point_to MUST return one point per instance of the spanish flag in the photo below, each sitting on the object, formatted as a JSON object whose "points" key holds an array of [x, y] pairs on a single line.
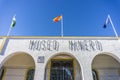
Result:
{"points": [[58, 18]]}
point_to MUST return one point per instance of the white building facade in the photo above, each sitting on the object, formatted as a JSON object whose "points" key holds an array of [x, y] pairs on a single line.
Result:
{"points": [[59, 58]]}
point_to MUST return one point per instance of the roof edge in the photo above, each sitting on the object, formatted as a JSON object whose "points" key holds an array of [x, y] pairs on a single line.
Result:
{"points": [[64, 37]]}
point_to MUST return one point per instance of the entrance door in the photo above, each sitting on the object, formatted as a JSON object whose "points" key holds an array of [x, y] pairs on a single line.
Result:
{"points": [[62, 70]]}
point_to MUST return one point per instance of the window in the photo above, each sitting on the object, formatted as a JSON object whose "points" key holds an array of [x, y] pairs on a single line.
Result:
{"points": [[1, 72], [30, 74], [95, 76], [61, 70]]}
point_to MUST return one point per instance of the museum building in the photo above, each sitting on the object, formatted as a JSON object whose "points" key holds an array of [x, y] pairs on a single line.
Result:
{"points": [[59, 58]]}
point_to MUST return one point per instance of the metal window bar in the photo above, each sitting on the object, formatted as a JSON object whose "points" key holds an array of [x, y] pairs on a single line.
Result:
{"points": [[61, 74]]}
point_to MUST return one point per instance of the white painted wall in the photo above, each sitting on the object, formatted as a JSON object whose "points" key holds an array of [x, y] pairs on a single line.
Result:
{"points": [[84, 58]]}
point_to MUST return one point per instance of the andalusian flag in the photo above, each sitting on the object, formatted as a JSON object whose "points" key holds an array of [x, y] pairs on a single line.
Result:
{"points": [[13, 22], [58, 18]]}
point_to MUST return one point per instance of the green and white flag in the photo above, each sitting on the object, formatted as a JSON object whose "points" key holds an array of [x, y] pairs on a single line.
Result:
{"points": [[13, 22]]}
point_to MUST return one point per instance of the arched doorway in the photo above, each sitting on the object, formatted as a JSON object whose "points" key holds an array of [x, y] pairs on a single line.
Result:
{"points": [[63, 67], [18, 66], [105, 67]]}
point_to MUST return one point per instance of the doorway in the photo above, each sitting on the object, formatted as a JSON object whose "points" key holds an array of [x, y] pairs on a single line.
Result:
{"points": [[62, 70]]}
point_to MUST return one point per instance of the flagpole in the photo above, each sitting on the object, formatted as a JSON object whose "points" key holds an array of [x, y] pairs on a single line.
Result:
{"points": [[10, 28], [113, 26], [62, 27]]}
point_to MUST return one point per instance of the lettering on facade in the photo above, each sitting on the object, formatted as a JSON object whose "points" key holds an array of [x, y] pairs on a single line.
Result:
{"points": [[44, 45], [85, 45], [73, 45]]}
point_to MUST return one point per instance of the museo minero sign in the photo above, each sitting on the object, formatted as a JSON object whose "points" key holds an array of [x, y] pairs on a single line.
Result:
{"points": [[73, 45]]}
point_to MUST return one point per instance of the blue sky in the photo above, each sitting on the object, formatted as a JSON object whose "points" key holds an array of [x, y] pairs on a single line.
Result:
{"points": [[80, 17]]}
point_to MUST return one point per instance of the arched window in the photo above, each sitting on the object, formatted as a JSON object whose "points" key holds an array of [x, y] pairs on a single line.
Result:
{"points": [[30, 74], [95, 75]]}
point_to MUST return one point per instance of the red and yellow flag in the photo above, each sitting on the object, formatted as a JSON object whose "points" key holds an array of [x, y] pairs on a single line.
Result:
{"points": [[58, 18]]}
